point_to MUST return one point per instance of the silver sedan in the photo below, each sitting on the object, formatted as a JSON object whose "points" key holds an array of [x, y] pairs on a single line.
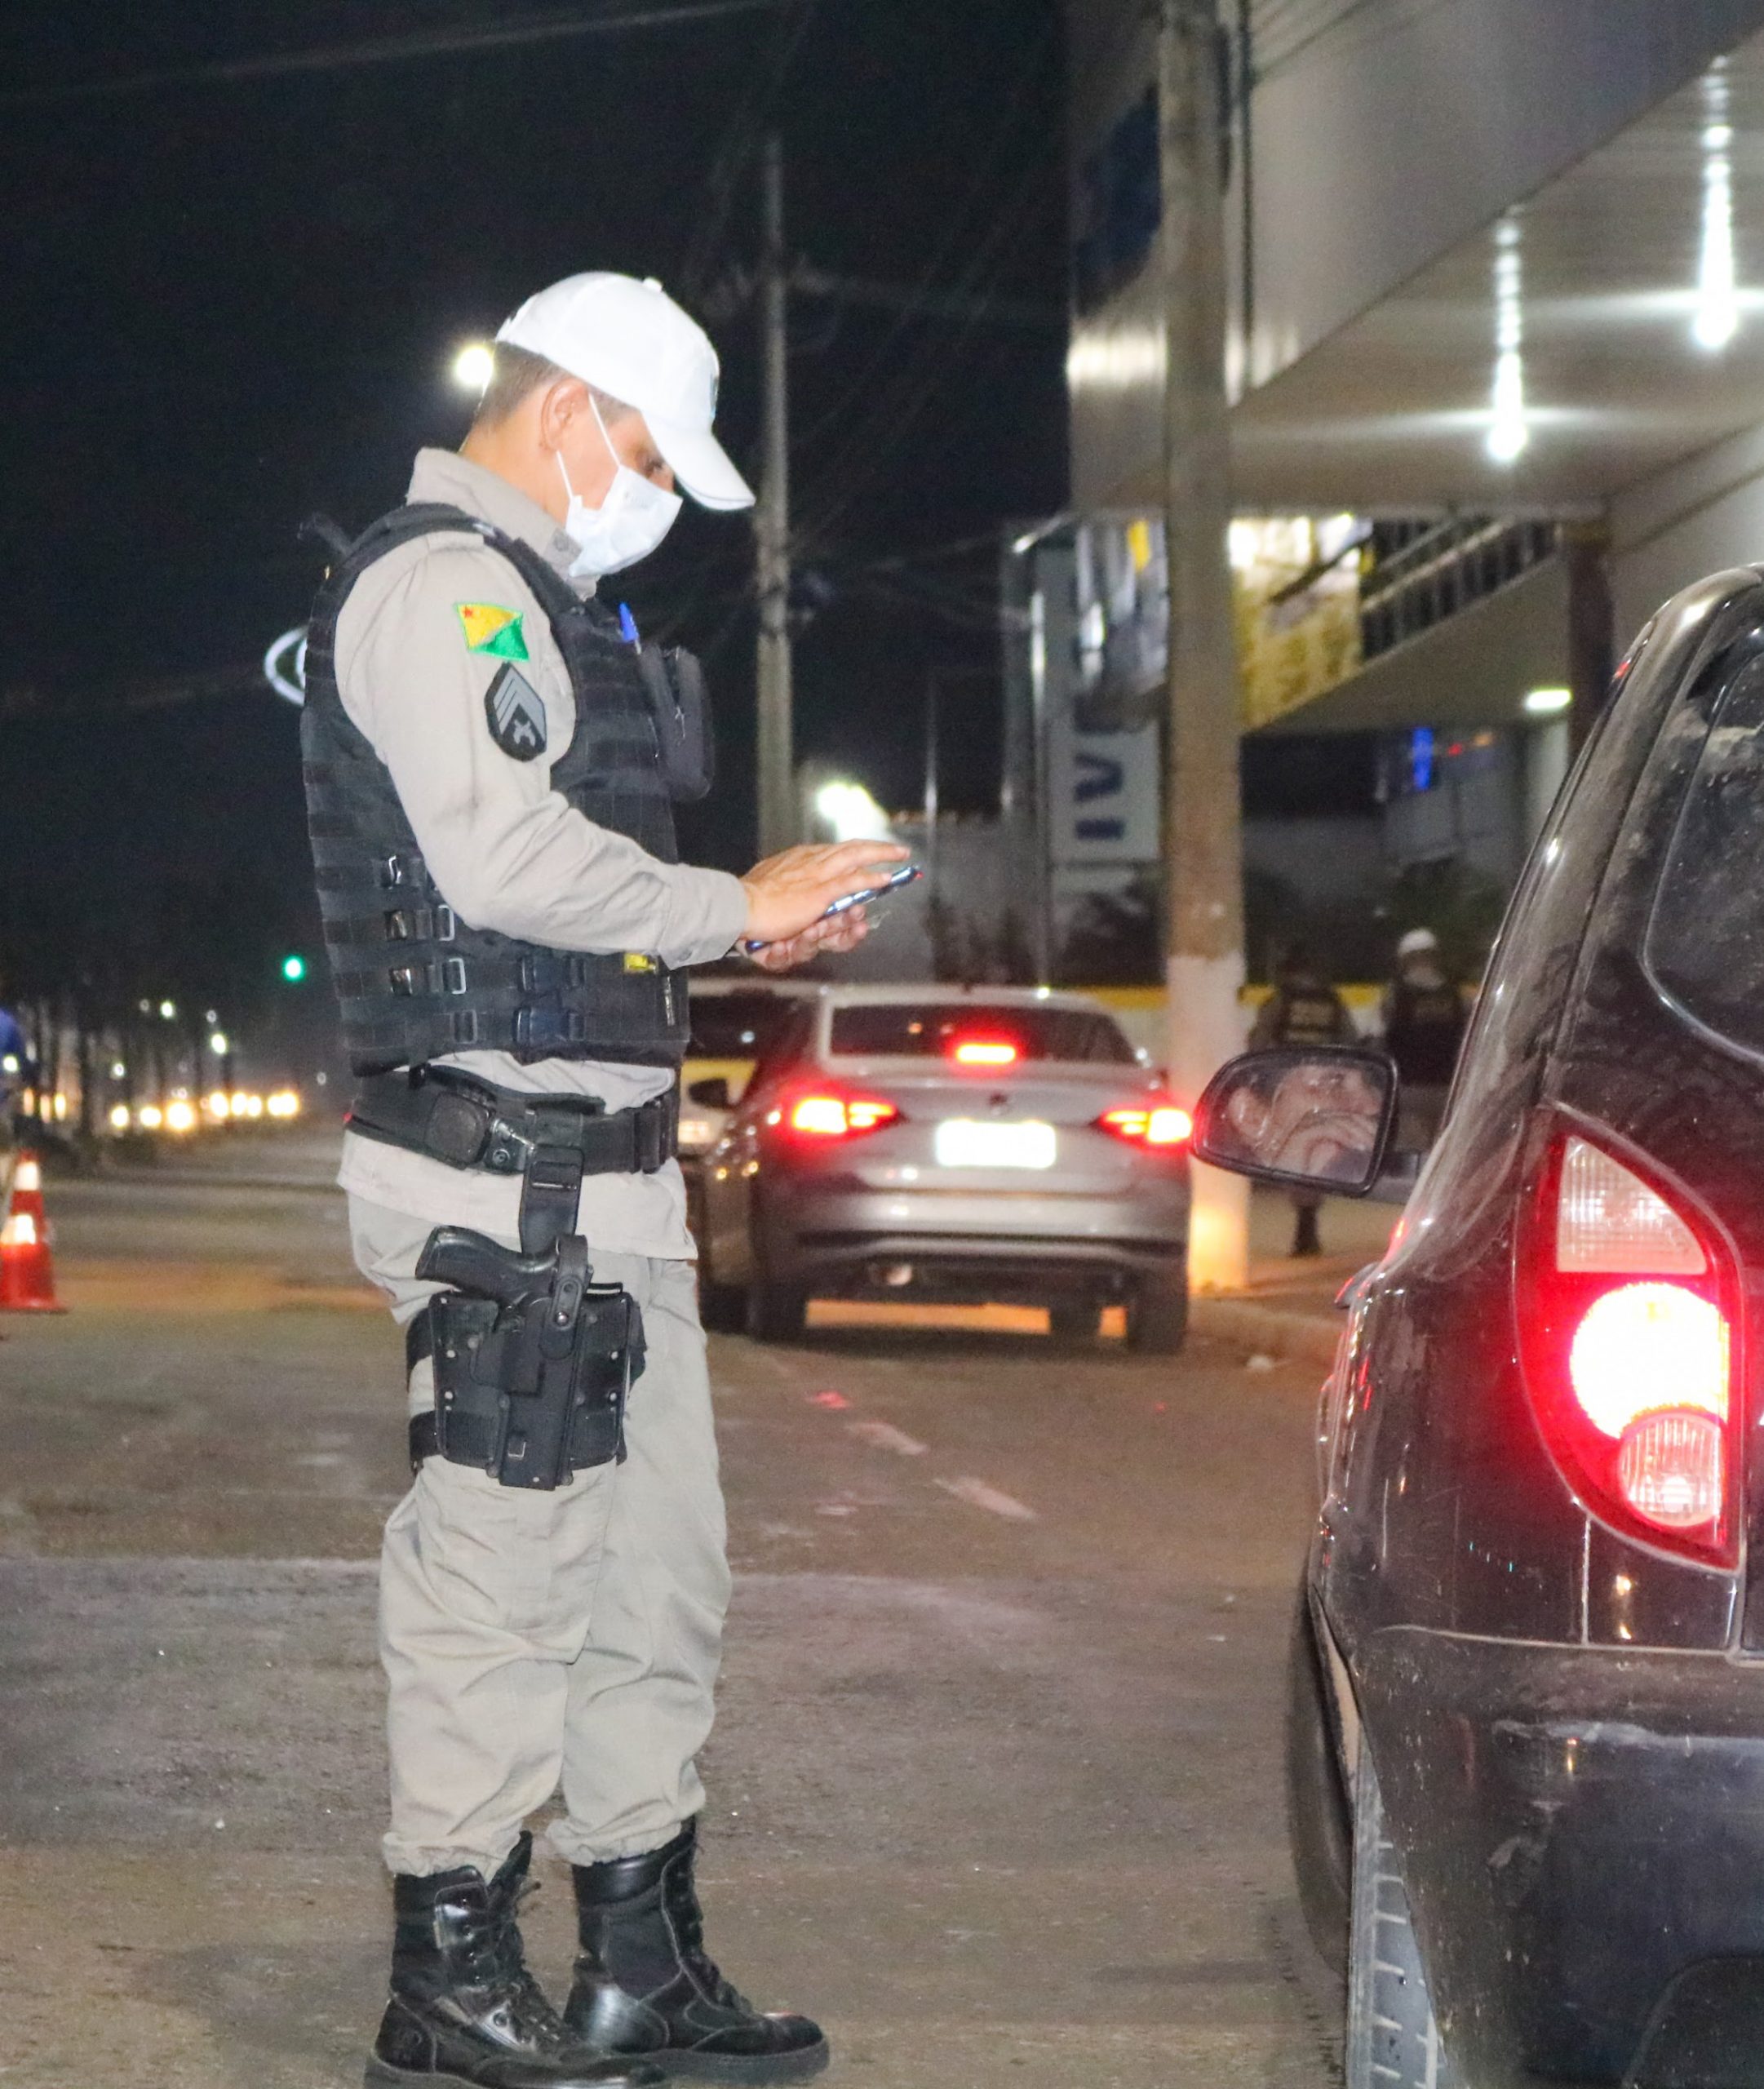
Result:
{"points": [[947, 1144]]}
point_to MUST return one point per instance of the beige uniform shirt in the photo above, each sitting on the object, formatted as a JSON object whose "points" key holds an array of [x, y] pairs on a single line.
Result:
{"points": [[506, 853]]}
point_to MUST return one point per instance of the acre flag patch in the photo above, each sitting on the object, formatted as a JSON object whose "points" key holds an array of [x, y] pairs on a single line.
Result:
{"points": [[490, 628]]}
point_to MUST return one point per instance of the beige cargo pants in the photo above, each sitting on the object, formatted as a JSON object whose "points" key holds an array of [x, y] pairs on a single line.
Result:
{"points": [[535, 1639]]}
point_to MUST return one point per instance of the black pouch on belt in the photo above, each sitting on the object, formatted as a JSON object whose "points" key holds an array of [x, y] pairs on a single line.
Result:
{"points": [[532, 1359]]}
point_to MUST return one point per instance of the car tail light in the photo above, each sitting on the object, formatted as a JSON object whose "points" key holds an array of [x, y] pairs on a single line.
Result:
{"points": [[1670, 1470], [1609, 1221], [984, 1052], [1160, 1125], [1627, 1302], [832, 1113]]}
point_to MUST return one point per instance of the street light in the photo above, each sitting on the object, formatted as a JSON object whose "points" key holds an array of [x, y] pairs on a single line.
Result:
{"points": [[1509, 428], [474, 366], [1717, 298], [850, 811], [219, 1045], [294, 967]]}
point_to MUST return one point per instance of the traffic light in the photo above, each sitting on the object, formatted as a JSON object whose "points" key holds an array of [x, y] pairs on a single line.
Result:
{"points": [[294, 967]]}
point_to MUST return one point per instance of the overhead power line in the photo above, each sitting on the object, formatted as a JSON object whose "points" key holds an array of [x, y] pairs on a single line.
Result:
{"points": [[955, 225], [739, 142], [386, 51], [877, 413], [928, 305], [737, 288], [898, 402], [107, 699]]}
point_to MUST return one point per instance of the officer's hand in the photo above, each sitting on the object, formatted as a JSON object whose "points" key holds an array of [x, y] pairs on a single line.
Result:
{"points": [[789, 893], [843, 932]]}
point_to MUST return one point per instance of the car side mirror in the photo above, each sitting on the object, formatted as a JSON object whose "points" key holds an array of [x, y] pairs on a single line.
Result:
{"points": [[1318, 1119], [711, 1093]]}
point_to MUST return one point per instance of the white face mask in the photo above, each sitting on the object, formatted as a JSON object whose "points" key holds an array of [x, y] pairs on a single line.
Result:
{"points": [[629, 523]]}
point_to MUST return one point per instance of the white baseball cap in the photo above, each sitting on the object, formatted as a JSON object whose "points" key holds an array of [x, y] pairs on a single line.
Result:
{"points": [[631, 340]]}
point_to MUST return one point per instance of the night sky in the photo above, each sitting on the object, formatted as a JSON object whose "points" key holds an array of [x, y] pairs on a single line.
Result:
{"points": [[229, 303]]}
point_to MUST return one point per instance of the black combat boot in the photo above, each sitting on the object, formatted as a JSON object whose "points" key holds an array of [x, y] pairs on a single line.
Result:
{"points": [[643, 1985], [464, 2009]]}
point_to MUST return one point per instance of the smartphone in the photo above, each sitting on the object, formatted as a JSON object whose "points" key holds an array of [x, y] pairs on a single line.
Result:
{"points": [[893, 882]]}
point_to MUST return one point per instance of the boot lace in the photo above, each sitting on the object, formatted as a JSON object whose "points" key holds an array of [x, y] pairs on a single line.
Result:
{"points": [[495, 1958], [687, 1918]]}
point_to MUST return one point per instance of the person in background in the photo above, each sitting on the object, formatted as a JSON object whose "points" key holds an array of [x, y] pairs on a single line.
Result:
{"points": [[1423, 1019], [15, 1061], [1304, 1009]]}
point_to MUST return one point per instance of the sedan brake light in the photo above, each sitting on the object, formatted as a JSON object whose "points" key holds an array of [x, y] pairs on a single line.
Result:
{"points": [[984, 1052], [1160, 1125], [1627, 1311], [833, 1115]]}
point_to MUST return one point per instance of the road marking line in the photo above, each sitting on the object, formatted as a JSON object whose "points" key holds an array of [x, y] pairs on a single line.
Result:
{"points": [[885, 1436], [978, 1495]]}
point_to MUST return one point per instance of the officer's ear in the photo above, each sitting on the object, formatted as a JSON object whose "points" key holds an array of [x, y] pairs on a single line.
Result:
{"points": [[563, 403]]}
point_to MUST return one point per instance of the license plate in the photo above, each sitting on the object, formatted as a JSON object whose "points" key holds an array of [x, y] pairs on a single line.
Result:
{"points": [[964, 1142]]}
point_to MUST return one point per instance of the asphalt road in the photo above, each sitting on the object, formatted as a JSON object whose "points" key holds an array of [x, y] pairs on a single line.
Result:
{"points": [[995, 1788]]}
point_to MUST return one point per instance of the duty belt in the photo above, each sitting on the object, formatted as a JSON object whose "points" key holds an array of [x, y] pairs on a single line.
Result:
{"points": [[553, 1141]]}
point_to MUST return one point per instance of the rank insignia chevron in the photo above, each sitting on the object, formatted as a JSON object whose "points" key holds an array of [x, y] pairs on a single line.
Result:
{"points": [[515, 712]]}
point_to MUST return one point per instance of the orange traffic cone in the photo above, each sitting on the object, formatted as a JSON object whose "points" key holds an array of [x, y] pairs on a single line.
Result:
{"points": [[27, 1268]]}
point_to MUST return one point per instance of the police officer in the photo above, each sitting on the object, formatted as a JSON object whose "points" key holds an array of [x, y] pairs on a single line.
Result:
{"points": [[1304, 1009], [1424, 1024], [492, 750]]}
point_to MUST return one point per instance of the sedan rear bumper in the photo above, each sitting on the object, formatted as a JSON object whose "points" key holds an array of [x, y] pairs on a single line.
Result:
{"points": [[1582, 1835], [956, 1246]]}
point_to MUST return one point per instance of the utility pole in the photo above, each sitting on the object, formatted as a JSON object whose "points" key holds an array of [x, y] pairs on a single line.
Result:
{"points": [[776, 766], [1202, 845]]}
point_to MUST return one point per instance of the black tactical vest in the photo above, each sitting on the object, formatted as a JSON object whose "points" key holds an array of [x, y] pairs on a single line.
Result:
{"points": [[415, 981], [1424, 1029], [1310, 1015]]}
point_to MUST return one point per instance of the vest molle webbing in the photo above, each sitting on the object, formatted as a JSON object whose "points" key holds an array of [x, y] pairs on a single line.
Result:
{"points": [[415, 982]]}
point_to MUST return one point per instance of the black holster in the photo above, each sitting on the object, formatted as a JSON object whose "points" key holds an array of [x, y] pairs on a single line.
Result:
{"points": [[532, 1359]]}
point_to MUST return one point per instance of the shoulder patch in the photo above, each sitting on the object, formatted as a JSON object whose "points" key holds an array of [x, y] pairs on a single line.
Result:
{"points": [[515, 713], [490, 628]]}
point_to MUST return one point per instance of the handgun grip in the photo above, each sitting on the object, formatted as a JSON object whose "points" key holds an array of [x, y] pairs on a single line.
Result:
{"points": [[473, 1262]]}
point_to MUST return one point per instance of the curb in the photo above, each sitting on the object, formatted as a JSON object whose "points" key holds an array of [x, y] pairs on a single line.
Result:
{"points": [[1300, 1337]]}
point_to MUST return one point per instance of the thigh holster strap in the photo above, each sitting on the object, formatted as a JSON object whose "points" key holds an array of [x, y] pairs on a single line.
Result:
{"points": [[532, 1360]]}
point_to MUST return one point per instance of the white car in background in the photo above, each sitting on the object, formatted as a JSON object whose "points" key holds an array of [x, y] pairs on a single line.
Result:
{"points": [[975, 1144]]}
